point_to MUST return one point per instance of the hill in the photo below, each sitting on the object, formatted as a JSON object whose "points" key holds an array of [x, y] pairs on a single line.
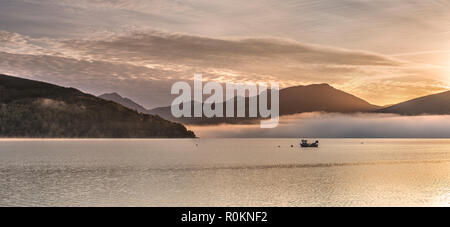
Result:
{"points": [[293, 100], [437, 104], [320, 97], [130, 104], [41, 110]]}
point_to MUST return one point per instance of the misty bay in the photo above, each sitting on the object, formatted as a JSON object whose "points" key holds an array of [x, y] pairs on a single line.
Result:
{"points": [[224, 172]]}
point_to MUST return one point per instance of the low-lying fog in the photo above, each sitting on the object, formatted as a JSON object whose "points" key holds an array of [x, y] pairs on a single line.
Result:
{"points": [[327, 125]]}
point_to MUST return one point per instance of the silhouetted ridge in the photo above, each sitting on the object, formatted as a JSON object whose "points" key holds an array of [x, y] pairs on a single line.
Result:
{"points": [[320, 97], [35, 109], [437, 104], [293, 100], [123, 101]]}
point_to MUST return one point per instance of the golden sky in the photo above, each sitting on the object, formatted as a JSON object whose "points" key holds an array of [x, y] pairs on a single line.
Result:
{"points": [[381, 50]]}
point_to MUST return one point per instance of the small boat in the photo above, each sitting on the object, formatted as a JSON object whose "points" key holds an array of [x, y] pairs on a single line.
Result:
{"points": [[306, 144]]}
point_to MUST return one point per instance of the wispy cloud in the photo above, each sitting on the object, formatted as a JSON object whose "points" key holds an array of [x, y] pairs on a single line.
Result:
{"points": [[422, 52], [382, 26], [150, 87], [177, 56]]}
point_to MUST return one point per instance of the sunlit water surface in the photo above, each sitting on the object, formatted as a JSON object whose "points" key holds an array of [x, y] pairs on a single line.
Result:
{"points": [[224, 172]]}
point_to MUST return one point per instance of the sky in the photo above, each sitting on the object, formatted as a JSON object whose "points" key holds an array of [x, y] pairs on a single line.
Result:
{"points": [[383, 51]]}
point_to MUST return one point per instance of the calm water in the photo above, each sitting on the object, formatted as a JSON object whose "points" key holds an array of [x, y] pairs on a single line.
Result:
{"points": [[224, 172]]}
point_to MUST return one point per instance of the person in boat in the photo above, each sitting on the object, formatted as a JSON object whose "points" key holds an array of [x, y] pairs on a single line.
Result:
{"points": [[306, 144]]}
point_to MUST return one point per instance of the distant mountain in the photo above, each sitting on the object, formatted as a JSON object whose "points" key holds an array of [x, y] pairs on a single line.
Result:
{"points": [[130, 104], [40, 110], [293, 100], [437, 104], [321, 97]]}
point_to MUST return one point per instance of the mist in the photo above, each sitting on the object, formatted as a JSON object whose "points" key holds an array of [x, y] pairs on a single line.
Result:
{"points": [[326, 125]]}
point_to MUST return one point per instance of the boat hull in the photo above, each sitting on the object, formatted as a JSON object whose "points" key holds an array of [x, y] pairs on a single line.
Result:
{"points": [[309, 145]]}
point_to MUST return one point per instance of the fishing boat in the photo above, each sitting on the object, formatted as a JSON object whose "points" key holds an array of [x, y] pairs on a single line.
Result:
{"points": [[306, 144]]}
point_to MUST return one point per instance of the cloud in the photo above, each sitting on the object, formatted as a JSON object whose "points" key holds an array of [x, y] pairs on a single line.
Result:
{"points": [[16, 43], [188, 49], [322, 125], [148, 86], [382, 26], [171, 57], [261, 59], [236, 60]]}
